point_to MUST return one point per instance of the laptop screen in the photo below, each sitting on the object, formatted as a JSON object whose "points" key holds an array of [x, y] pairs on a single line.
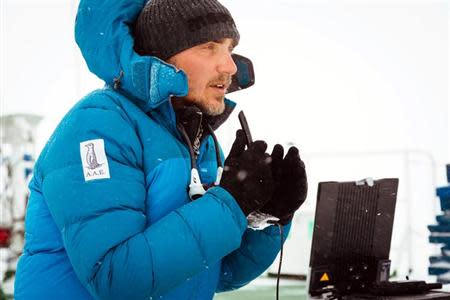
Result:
{"points": [[352, 233]]}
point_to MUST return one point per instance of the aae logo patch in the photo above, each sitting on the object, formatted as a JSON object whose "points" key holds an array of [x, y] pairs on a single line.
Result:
{"points": [[93, 158]]}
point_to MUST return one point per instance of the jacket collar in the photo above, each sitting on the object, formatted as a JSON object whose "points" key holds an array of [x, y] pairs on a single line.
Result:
{"points": [[192, 118]]}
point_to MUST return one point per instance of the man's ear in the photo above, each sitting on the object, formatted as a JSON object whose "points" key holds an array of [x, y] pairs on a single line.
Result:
{"points": [[172, 60], [245, 75]]}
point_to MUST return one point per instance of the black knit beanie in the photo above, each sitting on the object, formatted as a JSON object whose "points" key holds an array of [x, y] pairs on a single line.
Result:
{"points": [[167, 27]]}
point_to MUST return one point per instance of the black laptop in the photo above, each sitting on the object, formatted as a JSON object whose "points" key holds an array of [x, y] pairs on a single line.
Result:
{"points": [[352, 239]]}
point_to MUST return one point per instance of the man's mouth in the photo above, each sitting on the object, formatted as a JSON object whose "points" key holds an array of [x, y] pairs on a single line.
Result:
{"points": [[220, 86]]}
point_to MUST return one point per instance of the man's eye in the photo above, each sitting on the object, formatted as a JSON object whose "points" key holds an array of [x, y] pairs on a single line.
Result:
{"points": [[210, 46]]}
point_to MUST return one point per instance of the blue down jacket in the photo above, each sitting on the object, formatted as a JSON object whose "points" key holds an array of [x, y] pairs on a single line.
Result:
{"points": [[132, 232]]}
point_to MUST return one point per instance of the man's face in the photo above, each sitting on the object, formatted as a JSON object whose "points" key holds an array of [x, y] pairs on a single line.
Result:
{"points": [[209, 68]]}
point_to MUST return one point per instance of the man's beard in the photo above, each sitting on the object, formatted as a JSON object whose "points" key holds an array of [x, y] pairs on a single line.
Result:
{"points": [[218, 106], [213, 110]]}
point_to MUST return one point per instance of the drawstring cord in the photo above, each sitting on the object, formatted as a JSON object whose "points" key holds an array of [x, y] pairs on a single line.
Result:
{"points": [[189, 144], [219, 161], [196, 188]]}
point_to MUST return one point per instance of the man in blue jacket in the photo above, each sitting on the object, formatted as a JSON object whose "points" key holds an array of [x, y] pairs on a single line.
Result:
{"points": [[117, 208]]}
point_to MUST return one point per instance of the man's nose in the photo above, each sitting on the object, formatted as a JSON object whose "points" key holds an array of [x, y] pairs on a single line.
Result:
{"points": [[227, 65]]}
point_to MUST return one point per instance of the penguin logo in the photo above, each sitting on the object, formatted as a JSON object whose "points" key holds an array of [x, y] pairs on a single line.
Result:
{"points": [[91, 153], [91, 157]]}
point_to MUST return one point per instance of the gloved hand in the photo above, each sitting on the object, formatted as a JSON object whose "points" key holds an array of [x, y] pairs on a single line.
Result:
{"points": [[247, 174], [291, 184]]}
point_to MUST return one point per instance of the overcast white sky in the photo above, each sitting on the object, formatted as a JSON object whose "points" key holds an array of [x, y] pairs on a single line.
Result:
{"points": [[323, 69], [312, 58], [331, 76]]}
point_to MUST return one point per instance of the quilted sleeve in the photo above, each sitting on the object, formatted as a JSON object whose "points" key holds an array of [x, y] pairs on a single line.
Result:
{"points": [[257, 252], [103, 221]]}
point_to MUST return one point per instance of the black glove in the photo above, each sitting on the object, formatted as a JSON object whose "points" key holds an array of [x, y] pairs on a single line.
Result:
{"points": [[247, 174], [291, 185]]}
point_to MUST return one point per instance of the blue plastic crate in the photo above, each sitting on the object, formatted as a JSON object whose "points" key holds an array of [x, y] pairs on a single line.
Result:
{"points": [[443, 192], [443, 219], [439, 228], [444, 197], [440, 240], [436, 259], [438, 270]]}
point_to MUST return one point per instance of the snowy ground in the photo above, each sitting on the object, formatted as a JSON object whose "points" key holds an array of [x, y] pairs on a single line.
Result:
{"points": [[264, 288]]}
